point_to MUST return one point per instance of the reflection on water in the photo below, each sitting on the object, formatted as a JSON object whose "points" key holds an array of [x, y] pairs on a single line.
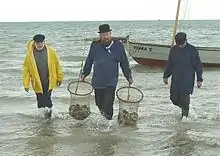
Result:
{"points": [[180, 144], [104, 145], [97, 136], [43, 140]]}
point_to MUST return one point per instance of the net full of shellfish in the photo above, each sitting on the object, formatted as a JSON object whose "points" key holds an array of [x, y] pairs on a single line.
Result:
{"points": [[79, 112], [126, 118], [129, 99], [80, 92], [128, 113]]}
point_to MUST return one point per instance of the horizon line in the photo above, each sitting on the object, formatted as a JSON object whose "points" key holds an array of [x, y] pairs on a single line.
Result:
{"points": [[46, 21]]}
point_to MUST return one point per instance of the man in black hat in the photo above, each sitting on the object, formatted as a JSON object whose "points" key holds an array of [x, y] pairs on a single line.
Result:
{"points": [[105, 55], [42, 68], [183, 62]]}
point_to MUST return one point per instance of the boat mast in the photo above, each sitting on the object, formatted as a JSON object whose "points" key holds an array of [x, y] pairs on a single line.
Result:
{"points": [[176, 22]]}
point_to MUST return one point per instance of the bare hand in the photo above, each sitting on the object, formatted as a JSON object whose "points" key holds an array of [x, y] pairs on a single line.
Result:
{"points": [[130, 81], [59, 83], [82, 77], [26, 89], [199, 84], [165, 81]]}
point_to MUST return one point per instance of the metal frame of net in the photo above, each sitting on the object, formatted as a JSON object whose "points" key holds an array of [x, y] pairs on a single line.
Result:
{"points": [[129, 100], [128, 90], [77, 88], [80, 92]]}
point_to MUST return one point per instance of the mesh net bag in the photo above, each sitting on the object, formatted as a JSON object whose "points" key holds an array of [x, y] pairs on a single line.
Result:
{"points": [[129, 99], [80, 92]]}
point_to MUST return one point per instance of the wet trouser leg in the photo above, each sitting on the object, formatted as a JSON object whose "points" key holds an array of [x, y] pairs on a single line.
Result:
{"points": [[44, 100], [104, 99], [182, 101]]}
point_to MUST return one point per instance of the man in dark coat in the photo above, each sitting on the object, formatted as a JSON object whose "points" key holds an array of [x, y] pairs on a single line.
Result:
{"points": [[105, 55], [183, 63]]}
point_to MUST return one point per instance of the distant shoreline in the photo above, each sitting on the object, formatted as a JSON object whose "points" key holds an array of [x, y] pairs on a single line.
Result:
{"points": [[159, 20]]}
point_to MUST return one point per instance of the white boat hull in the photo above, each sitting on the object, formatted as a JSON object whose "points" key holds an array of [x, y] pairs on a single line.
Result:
{"points": [[157, 55]]}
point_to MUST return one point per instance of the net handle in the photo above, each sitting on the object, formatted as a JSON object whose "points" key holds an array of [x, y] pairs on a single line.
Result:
{"points": [[81, 66], [129, 87], [68, 88]]}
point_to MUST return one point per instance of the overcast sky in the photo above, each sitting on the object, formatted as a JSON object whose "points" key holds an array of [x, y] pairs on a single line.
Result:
{"points": [[80, 10]]}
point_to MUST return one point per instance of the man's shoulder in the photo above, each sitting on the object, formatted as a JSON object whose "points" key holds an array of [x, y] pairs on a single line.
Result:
{"points": [[51, 49], [191, 46], [118, 43], [173, 48], [96, 42]]}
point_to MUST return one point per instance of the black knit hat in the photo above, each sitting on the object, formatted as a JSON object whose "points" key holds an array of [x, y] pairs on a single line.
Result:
{"points": [[104, 28], [39, 38], [180, 38]]}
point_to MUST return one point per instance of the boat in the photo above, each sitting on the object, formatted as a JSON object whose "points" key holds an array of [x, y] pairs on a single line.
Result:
{"points": [[156, 55]]}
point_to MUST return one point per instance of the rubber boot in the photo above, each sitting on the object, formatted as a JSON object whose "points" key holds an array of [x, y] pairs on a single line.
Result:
{"points": [[185, 112]]}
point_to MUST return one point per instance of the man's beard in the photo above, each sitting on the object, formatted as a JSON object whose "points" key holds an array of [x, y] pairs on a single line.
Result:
{"points": [[106, 41]]}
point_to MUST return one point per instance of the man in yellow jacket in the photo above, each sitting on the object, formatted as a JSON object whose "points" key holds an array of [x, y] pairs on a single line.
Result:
{"points": [[42, 68]]}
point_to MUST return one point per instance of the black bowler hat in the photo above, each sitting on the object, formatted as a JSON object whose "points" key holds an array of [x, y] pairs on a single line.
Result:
{"points": [[180, 38], [104, 28], [39, 38]]}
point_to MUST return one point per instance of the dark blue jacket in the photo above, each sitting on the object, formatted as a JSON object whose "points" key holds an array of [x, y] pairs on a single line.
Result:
{"points": [[106, 62], [182, 64]]}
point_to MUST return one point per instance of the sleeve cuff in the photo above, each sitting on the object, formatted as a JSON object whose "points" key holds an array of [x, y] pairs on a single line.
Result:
{"points": [[164, 76], [200, 80], [128, 77]]}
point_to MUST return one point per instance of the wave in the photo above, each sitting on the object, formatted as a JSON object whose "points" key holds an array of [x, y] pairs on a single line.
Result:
{"points": [[72, 58]]}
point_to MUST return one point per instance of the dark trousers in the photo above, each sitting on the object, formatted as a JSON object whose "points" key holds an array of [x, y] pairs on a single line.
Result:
{"points": [[104, 99], [44, 100], [182, 101]]}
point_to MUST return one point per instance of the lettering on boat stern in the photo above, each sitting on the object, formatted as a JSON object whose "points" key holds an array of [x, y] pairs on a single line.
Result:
{"points": [[144, 48]]}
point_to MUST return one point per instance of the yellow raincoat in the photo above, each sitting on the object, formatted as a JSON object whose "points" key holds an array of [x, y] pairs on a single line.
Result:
{"points": [[30, 71]]}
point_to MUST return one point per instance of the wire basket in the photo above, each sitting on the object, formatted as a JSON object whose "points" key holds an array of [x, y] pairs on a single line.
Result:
{"points": [[80, 92], [129, 100]]}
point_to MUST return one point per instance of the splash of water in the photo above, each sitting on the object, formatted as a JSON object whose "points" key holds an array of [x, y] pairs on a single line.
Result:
{"points": [[40, 113], [98, 123]]}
